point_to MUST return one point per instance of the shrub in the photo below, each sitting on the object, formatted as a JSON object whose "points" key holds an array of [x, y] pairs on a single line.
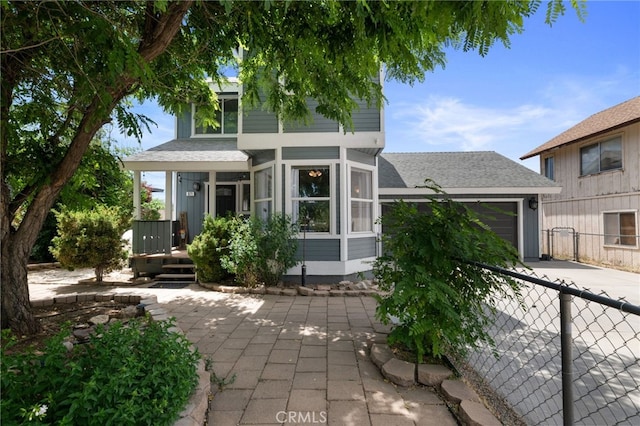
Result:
{"points": [[91, 239], [240, 258], [209, 247], [438, 296], [138, 373], [277, 244]]}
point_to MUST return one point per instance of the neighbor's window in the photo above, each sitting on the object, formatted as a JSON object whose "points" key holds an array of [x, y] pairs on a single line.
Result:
{"points": [[361, 201], [263, 193], [601, 156], [620, 229], [311, 198], [549, 170], [226, 116]]}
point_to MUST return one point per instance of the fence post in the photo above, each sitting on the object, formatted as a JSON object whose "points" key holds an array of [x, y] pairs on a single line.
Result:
{"points": [[565, 350]]}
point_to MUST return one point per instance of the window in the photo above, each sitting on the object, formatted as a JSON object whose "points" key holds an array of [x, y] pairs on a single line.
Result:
{"points": [[263, 193], [361, 201], [620, 229], [601, 156], [226, 116], [549, 171], [311, 198]]}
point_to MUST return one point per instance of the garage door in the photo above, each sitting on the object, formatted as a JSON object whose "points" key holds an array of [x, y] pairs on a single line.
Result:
{"points": [[500, 217]]}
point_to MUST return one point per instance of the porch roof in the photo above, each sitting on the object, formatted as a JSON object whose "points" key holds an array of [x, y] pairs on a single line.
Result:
{"points": [[480, 172], [190, 155]]}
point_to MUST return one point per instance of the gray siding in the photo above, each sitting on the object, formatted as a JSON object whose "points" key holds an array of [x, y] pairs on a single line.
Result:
{"points": [[194, 206], [360, 248], [259, 121], [361, 157], [262, 157], [183, 125], [531, 232], [366, 119], [319, 250], [311, 153], [319, 123]]}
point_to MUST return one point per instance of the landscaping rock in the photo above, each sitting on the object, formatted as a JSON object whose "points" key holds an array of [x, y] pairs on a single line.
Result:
{"points": [[402, 373], [305, 291], [99, 319], [380, 354], [475, 414], [274, 290], [433, 374], [456, 391], [128, 312]]}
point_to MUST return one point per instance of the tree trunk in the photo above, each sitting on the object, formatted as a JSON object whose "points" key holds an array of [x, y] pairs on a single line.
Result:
{"points": [[16, 308]]}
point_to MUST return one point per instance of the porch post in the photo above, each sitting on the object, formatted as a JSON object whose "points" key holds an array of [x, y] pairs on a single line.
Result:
{"points": [[137, 208], [168, 195]]}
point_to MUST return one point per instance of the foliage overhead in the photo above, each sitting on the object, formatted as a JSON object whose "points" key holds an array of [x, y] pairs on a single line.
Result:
{"points": [[69, 68], [438, 297]]}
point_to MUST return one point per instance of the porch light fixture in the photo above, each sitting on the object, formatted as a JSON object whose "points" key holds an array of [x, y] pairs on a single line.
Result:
{"points": [[196, 186], [315, 173], [533, 203]]}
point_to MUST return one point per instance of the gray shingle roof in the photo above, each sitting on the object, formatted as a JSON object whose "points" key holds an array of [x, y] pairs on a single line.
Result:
{"points": [[479, 169], [612, 118], [192, 150]]}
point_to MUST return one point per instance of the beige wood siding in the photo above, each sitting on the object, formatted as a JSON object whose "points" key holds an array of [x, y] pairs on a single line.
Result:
{"points": [[584, 199]]}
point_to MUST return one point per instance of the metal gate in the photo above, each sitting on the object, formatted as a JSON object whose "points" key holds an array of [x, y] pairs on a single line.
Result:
{"points": [[557, 238]]}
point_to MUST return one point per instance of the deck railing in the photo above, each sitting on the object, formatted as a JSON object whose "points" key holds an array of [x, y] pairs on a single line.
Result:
{"points": [[152, 236]]}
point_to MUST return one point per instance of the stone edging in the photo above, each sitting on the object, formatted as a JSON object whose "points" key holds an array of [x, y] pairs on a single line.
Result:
{"points": [[469, 408], [196, 409], [320, 291]]}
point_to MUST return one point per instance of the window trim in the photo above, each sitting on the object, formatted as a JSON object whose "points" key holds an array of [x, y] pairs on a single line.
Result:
{"points": [[599, 143], [330, 199], [553, 167], [222, 134], [254, 187], [371, 201], [619, 245]]}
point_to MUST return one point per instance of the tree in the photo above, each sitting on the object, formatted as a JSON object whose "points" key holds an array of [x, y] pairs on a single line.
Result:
{"points": [[67, 68]]}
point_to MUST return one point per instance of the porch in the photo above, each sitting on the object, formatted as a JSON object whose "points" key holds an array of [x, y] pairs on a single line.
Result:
{"points": [[159, 251]]}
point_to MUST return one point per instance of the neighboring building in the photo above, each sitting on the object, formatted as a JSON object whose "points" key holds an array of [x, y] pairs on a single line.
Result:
{"points": [[597, 162], [320, 175]]}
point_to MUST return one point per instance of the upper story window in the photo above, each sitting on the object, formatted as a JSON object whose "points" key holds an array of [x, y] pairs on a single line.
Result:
{"points": [[226, 116], [311, 198], [601, 156], [549, 168]]}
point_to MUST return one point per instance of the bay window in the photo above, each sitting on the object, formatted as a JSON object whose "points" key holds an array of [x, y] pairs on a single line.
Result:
{"points": [[311, 198], [263, 193], [361, 200]]}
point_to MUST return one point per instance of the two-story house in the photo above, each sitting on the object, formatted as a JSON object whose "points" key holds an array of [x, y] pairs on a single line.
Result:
{"points": [[597, 162], [334, 183]]}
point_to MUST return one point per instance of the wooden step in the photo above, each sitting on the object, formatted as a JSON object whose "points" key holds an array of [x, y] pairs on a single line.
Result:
{"points": [[182, 277]]}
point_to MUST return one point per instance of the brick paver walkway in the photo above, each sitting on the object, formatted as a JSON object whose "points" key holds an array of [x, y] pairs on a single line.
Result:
{"points": [[296, 360]]}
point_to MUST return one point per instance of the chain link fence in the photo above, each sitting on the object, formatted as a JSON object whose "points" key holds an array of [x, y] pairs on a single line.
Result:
{"points": [[568, 357]]}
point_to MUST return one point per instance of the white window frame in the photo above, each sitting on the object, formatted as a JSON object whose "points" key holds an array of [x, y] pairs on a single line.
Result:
{"points": [[290, 199], [370, 201], [604, 230], [270, 192], [222, 134]]}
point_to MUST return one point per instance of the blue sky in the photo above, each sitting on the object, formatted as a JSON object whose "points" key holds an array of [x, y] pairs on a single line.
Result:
{"points": [[513, 99]]}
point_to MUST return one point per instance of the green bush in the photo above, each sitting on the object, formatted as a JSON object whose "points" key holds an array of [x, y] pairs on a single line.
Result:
{"points": [[138, 373], [438, 296], [91, 239], [210, 246], [277, 244], [240, 258]]}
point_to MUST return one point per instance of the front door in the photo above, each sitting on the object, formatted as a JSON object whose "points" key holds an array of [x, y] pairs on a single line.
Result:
{"points": [[225, 200]]}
